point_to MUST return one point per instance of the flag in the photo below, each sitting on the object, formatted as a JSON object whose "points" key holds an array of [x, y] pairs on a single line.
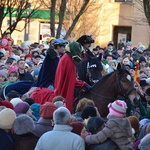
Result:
{"points": [[137, 73]]}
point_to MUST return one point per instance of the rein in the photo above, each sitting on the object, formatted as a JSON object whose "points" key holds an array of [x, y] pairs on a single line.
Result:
{"points": [[125, 94]]}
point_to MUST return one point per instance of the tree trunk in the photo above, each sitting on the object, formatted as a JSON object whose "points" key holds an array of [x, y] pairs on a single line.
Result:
{"points": [[61, 17], [76, 18], [52, 17]]}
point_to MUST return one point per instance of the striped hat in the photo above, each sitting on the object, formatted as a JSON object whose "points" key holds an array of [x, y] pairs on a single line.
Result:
{"points": [[117, 108]]}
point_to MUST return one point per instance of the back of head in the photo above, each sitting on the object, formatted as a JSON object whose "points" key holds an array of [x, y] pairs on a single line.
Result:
{"points": [[23, 124], [21, 108], [134, 123], [94, 124], [145, 144], [85, 39], [7, 117], [61, 116], [77, 127]]}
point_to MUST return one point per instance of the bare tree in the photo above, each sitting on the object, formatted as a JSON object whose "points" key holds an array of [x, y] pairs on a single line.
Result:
{"points": [[16, 11]]}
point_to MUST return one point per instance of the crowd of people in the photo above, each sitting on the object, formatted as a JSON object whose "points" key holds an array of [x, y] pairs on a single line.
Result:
{"points": [[37, 85]]}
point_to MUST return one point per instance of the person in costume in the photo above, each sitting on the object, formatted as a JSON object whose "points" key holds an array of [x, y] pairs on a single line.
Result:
{"points": [[65, 78], [86, 42]]}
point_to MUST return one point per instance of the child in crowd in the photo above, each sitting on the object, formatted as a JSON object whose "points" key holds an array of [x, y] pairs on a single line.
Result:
{"points": [[117, 128], [3, 78]]}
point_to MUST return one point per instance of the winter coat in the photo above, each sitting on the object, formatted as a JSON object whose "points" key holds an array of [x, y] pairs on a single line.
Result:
{"points": [[6, 141], [25, 142], [42, 126], [107, 145], [136, 55], [117, 129], [60, 138]]}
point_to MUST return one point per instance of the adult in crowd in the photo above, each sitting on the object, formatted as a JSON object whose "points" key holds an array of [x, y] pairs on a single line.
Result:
{"points": [[61, 134]]}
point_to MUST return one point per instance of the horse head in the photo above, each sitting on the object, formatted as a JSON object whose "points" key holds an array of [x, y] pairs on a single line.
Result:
{"points": [[94, 68], [126, 85]]}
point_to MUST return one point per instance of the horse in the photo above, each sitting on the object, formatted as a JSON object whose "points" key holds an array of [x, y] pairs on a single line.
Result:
{"points": [[89, 70], [109, 87]]}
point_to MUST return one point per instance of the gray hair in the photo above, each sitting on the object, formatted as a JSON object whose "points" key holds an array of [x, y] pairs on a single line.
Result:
{"points": [[61, 116], [145, 144]]}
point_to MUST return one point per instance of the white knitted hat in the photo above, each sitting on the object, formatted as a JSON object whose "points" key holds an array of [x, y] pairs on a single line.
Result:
{"points": [[7, 118], [15, 101]]}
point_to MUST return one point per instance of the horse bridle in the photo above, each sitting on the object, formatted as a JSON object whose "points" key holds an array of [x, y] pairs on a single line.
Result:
{"points": [[125, 94]]}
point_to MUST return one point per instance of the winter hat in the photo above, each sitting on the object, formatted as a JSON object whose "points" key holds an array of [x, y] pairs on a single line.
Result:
{"points": [[88, 111], [117, 108], [142, 58], [77, 127], [7, 117], [4, 42], [10, 60], [129, 43], [27, 56], [15, 101], [47, 109], [143, 83], [21, 108], [12, 94], [23, 124], [14, 68], [36, 72], [35, 108], [143, 76], [30, 101], [94, 123], [134, 123], [59, 104], [142, 47], [7, 104], [3, 73]]}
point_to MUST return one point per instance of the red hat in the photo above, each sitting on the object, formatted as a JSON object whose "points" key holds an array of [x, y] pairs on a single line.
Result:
{"points": [[47, 109], [28, 56], [7, 104], [77, 127]]}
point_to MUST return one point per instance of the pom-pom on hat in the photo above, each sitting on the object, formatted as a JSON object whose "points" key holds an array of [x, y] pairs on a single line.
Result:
{"points": [[47, 110], [7, 117], [7, 104], [117, 108], [21, 108], [94, 123], [77, 127], [23, 124]]}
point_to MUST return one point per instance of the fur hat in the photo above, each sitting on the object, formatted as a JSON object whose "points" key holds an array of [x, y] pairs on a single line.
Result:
{"points": [[77, 127], [134, 123], [21, 108], [7, 117], [15, 101], [47, 110], [88, 111], [7, 104], [117, 108], [23, 124], [94, 123]]}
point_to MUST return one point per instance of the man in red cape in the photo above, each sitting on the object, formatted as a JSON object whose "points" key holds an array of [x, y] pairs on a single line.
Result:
{"points": [[65, 79]]}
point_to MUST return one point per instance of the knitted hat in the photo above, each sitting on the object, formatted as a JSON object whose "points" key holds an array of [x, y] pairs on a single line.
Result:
{"points": [[117, 108], [134, 123], [47, 109], [4, 42], [23, 124], [142, 47], [35, 108], [94, 123], [88, 111], [77, 127], [3, 73], [27, 56], [30, 101], [15, 101], [7, 104], [21, 108], [142, 58], [7, 117], [143, 83]]}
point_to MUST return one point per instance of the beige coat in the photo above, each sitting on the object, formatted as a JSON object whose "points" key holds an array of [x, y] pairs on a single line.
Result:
{"points": [[117, 129]]}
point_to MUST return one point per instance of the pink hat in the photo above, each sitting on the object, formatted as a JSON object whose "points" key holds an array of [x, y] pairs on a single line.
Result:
{"points": [[4, 42], [117, 108], [14, 68]]}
